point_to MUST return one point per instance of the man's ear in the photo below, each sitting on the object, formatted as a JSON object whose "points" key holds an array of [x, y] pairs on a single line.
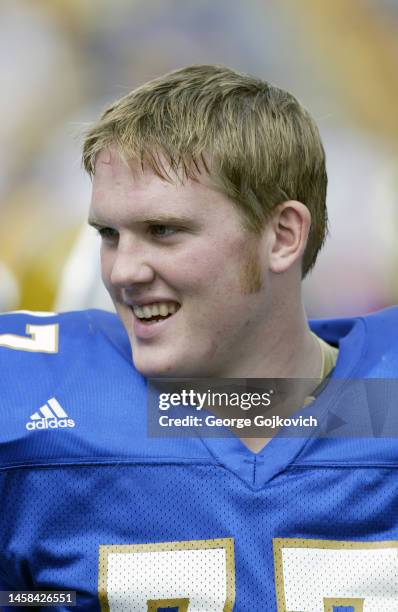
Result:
{"points": [[290, 226]]}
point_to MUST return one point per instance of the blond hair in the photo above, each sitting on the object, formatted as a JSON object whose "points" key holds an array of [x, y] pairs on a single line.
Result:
{"points": [[258, 143]]}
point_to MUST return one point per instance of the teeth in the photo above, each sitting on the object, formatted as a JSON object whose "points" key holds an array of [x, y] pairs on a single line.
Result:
{"points": [[163, 310], [154, 310], [147, 312]]}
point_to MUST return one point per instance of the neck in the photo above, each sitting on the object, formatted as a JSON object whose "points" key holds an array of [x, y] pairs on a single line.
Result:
{"points": [[275, 349], [288, 352], [285, 348]]}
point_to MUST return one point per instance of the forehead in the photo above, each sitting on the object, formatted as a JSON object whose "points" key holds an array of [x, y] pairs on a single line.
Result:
{"points": [[121, 189], [116, 177], [118, 183]]}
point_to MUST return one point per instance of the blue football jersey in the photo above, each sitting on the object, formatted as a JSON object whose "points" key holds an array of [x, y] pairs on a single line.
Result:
{"points": [[90, 503]]}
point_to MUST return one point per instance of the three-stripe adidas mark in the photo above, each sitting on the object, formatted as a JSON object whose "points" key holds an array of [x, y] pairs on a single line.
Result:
{"points": [[50, 416]]}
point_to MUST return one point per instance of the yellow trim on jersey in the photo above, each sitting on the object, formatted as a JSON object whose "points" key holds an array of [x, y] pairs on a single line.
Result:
{"points": [[329, 356]]}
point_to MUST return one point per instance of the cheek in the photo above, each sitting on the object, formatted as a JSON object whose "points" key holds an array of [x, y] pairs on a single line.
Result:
{"points": [[106, 266], [219, 270], [192, 271]]}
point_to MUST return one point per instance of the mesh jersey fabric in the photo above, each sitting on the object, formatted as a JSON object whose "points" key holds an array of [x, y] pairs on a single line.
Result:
{"points": [[137, 523]]}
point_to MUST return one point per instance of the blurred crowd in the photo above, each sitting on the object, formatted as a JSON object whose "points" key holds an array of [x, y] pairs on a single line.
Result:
{"points": [[62, 61]]}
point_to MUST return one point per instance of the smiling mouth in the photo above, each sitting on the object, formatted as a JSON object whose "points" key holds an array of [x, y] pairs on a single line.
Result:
{"points": [[152, 313]]}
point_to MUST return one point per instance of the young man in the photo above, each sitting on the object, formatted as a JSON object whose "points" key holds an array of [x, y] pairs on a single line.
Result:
{"points": [[209, 195]]}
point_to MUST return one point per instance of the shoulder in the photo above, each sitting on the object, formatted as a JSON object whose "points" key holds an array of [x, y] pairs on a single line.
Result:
{"points": [[83, 321], [383, 320], [368, 345], [380, 353], [69, 392], [30, 335], [67, 387], [62, 356]]}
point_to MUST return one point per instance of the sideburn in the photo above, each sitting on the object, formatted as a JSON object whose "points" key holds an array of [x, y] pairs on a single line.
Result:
{"points": [[250, 273]]}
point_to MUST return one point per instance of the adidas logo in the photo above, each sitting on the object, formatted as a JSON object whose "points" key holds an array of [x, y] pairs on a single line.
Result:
{"points": [[50, 416]]}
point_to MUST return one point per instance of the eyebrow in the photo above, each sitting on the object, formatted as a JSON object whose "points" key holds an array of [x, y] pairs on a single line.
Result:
{"points": [[160, 219]]}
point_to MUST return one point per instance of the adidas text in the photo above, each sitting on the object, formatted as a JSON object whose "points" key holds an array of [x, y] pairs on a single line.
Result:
{"points": [[50, 424]]}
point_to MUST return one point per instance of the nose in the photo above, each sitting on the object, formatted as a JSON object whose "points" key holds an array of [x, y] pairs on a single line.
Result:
{"points": [[130, 266]]}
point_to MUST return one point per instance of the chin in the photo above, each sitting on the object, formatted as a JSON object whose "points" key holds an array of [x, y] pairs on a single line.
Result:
{"points": [[155, 370], [165, 369], [161, 362]]}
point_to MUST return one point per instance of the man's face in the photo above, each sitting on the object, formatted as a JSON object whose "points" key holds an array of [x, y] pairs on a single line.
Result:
{"points": [[179, 251]]}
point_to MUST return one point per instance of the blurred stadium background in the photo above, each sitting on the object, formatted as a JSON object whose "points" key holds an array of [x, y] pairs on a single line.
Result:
{"points": [[62, 61]]}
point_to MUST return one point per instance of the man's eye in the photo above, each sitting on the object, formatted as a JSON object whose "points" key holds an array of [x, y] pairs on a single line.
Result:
{"points": [[163, 231], [107, 233]]}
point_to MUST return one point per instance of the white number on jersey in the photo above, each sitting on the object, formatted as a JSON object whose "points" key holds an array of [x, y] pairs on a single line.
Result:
{"points": [[192, 576], [320, 575], [38, 339]]}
